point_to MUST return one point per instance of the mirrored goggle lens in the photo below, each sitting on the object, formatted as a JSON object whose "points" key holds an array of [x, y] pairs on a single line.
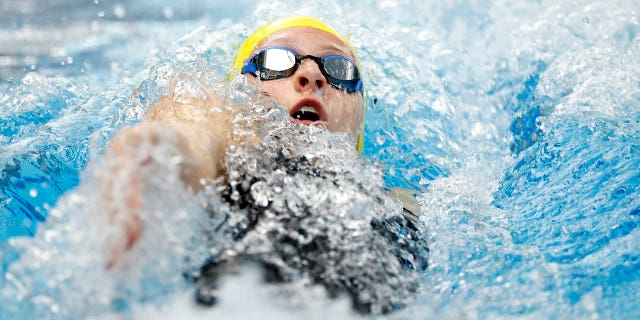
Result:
{"points": [[278, 59], [340, 68]]}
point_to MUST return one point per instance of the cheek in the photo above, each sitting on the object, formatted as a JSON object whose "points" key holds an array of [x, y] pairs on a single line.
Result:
{"points": [[274, 89], [358, 114], [350, 114]]}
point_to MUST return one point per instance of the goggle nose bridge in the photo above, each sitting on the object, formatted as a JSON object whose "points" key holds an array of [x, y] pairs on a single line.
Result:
{"points": [[319, 62]]}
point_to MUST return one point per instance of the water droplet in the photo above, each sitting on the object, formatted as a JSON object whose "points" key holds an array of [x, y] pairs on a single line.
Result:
{"points": [[167, 12], [119, 11], [33, 193]]}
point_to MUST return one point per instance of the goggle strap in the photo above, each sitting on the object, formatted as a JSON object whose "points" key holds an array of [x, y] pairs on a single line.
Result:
{"points": [[358, 86], [249, 68]]}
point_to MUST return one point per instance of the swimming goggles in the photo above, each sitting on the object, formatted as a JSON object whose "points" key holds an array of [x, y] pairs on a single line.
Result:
{"points": [[281, 62]]}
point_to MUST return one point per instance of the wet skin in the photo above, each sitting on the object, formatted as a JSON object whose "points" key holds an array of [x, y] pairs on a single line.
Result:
{"points": [[307, 89]]}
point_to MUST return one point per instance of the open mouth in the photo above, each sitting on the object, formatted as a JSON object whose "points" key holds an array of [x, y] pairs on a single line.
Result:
{"points": [[306, 113]]}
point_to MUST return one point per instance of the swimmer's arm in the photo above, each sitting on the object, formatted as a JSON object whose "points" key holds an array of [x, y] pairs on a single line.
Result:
{"points": [[200, 153], [203, 130], [196, 132], [199, 136]]}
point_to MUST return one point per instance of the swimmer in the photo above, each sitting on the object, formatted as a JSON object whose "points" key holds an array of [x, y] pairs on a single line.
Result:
{"points": [[304, 65]]}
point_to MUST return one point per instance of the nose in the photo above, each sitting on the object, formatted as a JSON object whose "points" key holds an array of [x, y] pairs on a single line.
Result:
{"points": [[309, 78]]}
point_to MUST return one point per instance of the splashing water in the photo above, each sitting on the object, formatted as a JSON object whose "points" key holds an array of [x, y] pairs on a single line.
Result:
{"points": [[302, 204], [315, 210], [517, 122]]}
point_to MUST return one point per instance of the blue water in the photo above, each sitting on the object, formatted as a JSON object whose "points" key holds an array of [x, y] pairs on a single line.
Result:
{"points": [[518, 123]]}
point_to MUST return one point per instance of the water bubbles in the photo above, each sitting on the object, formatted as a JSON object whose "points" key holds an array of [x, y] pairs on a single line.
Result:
{"points": [[186, 89], [33, 193], [380, 139], [119, 11], [168, 13], [304, 206], [259, 192], [161, 76], [55, 308], [95, 26], [387, 4]]}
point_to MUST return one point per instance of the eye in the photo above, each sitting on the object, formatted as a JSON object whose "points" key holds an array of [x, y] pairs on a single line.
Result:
{"points": [[278, 59]]}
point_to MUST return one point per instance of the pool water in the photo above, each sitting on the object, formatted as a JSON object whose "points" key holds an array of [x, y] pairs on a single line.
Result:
{"points": [[518, 123]]}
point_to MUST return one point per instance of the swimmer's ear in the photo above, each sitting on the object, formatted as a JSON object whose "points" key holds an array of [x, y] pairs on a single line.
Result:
{"points": [[410, 207]]}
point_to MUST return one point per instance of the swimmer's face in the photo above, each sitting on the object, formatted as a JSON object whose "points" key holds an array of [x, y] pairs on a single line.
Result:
{"points": [[307, 89]]}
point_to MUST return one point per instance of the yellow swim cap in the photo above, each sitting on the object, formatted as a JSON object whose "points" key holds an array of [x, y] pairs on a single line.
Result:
{"points": [[249, 45]]}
